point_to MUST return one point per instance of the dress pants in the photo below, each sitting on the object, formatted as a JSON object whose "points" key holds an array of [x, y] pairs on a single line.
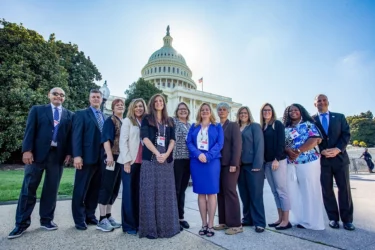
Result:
{"points": [[110, 183], [250, 186], [130, 198], [228, 201], [86, 192], [341, 175], [182, 177], [31, 181]]}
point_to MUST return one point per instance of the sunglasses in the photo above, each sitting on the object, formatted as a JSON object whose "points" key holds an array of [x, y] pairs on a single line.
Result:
{"points": [[58, 94]]}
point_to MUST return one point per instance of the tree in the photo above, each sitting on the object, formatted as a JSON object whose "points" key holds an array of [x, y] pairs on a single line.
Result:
{"points": [[355, 143], [362, 128], [29, 68], [141, 89], [362, 144]]}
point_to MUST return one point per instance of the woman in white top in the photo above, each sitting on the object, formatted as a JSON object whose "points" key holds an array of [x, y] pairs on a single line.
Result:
{"points": [[131, 157]]}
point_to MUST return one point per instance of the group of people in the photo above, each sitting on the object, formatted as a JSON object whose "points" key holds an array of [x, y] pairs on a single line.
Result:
{"points": [[154, 155]]}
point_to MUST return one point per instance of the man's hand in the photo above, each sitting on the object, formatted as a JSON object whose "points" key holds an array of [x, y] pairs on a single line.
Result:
{"points": [[27, 157], [78, 162], [202, 158], [275, 165], [127, 168], [331, 152], [67, 160], [232, 169]]}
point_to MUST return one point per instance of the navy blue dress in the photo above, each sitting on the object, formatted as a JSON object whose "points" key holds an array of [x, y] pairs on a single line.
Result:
{"points": [[206, 176]]}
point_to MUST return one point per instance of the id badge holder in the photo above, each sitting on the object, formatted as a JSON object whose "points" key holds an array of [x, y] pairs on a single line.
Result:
{"points": [[203, 145], [294, 134], [161, 141]]}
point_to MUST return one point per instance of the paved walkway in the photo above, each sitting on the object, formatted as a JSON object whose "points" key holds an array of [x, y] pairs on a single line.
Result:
{"points": [[67, 237]]}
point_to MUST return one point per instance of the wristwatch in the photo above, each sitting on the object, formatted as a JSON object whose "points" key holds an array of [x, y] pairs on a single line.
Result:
{"points": [[299, 151]]}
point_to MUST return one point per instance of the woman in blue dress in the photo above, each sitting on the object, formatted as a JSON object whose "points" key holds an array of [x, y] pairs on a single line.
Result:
{"points": [[205, 141]]}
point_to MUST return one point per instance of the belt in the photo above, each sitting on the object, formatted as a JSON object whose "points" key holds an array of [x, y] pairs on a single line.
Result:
{"points": [[53, 148]]}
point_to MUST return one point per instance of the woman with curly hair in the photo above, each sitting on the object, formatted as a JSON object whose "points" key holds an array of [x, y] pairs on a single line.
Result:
{"points": [[301, 138]]}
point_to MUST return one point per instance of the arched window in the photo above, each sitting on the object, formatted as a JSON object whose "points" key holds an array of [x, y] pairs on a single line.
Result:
{"points": [[178, 71], [164, 69], [169, 84], [169, 69], [156, 70], [173, 70], [159, 69], [151, 71]]}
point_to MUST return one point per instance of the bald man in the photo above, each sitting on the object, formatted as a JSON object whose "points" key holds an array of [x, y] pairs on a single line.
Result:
{"points": [[46, 148]]}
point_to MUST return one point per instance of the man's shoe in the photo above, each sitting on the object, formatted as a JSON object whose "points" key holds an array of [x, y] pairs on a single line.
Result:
{"points": [[131, 232], [245, 223], [49, 226], [105, 226], [349, 226], [184, 224], [92, 221], [181, 228], [81, 226], [334, 224], [17, 232], [114, 223]]}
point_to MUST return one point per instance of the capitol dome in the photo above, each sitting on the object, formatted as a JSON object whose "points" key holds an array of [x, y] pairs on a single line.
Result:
{"points": [[166, 68]]}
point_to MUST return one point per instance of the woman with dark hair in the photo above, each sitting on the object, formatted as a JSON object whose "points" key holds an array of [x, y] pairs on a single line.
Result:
{"points": [[111, 170], [181, 158], [158, 211], [368, 158], [131, 158], [275, 163], [251, 179], [302, 136]]}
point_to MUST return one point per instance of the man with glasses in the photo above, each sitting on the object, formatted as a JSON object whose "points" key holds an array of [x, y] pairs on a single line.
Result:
{"points": [[86, 137], [45, 147]]}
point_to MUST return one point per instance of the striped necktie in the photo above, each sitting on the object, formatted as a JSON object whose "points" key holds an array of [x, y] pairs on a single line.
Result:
{"points": [[56, 122], [99, 119]]}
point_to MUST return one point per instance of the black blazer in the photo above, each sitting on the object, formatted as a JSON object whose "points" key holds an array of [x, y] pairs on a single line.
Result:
{"points": [[39, 131], [86, 136], [151, 132], [253, 146], [338, 137]]}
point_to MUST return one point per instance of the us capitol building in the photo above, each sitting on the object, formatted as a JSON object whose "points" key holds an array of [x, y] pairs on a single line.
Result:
{"points": [[168, 71]]}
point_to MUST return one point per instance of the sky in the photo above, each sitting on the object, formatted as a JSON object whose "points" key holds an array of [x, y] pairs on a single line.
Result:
{"points": [[276, 51]]}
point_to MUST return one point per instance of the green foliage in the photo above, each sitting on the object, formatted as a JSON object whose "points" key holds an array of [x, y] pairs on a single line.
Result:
{"points": [[362, 129], [141, 89], [355, 143], [29, 68]]}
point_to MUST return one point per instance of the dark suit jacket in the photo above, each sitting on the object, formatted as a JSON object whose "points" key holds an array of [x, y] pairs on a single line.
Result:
{"points": [[231, 152], [39, 131], [253, 146], [86, 136], [338, 137]]}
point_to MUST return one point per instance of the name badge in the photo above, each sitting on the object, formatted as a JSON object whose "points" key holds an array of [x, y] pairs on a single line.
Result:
{"points": [[203, 145], [111, 167], [294, 134], [161, 141]]}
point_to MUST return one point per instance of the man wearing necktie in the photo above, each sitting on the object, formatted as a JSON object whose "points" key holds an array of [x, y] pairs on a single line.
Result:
{"points": [[86, 136], [46, 148], [334, 164]]}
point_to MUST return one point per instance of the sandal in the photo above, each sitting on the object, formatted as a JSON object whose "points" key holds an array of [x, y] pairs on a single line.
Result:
{"points": [[210, 232], [203, 231], [259, 229]]}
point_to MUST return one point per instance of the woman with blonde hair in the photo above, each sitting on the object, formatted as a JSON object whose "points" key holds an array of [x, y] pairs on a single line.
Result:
{"points": [[251, 179], [158, 211], [276, 166], [205, 141], [131, 158]]}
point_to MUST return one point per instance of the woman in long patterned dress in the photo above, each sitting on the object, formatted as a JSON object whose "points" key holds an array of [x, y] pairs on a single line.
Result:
{"points": [[158, 212]]}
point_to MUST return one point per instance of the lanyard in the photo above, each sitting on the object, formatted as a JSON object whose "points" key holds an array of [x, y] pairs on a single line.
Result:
{"points": [[163, 129], [139, 124]]}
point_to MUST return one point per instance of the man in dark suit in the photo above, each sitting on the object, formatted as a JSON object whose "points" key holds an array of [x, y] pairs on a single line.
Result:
{"points": [[45, 147], [86, 136], [334, 163]]}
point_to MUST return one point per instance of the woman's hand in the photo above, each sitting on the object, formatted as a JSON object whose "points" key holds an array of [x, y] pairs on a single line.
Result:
{"points": [[232, 169], [161, 158], [109, 160], [127, 168], [292, 154], [202, 158], [275, 165]]}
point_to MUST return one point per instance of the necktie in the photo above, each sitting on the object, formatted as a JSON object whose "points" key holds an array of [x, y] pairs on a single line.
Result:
{"points": [[56, 124], [100, 120], [325, 122]]}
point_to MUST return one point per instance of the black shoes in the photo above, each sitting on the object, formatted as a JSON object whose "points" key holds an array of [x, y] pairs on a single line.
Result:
{"points": [[49, 226], [245, 223], [150, 237], [184, 224], [81, 226], [92, 221], [17, 232], [274, 224], [334, 224], [284, 228], [300, 226], [259, 229], [349, 226]]}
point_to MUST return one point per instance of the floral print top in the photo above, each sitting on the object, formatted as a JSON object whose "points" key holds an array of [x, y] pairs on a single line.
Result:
{"points": [[296, 136]]}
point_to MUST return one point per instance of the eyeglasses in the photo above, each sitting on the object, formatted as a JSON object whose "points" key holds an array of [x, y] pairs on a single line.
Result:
{"points": [[58, 94], [267, 110], [243, 113]]}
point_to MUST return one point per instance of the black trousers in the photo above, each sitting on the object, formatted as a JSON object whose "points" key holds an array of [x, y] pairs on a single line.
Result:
{"points": [[86, 192], [250, 186], [110, 183], [227, 198], [130, 198], [31, 181], [341, 175], [182, 177]]}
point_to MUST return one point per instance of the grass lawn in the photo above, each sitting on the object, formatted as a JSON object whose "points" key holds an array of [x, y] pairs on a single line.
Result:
{"points": [[11, 183]]}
